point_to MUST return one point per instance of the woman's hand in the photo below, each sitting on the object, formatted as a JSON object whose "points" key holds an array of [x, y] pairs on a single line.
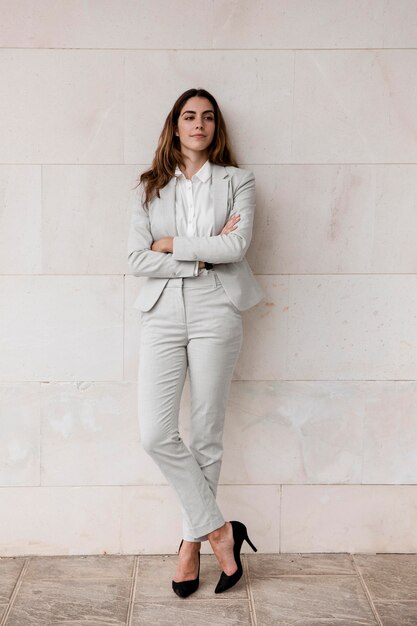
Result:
{"points": [[227, 228], [163, 245], [230, 224]]}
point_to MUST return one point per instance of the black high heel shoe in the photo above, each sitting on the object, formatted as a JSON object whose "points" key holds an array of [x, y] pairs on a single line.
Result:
{"points": [[186, 587], [240, 534]]}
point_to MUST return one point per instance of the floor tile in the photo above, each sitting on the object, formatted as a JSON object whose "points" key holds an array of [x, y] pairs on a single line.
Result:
{"points": [[389, 577], [197, 613], [397, 613], [3, 608], [312, 589], [53, 603], [270, 565], [155, 575], [10, 569], [80, 567], [311, 601]]}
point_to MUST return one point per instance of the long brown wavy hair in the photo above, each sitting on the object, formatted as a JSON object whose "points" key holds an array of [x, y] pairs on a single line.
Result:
{"points": [[168, 153]]}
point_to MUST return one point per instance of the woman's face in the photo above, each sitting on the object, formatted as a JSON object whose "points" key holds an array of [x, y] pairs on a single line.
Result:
{"points": [[196, 124]]}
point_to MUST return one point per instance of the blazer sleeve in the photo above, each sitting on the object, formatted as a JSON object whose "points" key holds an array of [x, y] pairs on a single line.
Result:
{"points": [[224, 248], [141, 259]]}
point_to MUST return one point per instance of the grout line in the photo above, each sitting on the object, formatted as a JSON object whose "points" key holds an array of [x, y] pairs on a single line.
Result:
{"points": [[366, 590], [123, 326], [280, 519], [124, 107], [114, 486], [258, 164], [235, 380], [132, 591], [294, 64], [15, 591], [304, 575], [187, 50], [42, 215], [213, 18], [252, 611], [40, 428], [83, 579], [274, 274]]}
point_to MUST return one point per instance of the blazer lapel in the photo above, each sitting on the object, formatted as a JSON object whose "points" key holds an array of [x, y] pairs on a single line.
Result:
{"points": [[166, 209], [220, 189]]}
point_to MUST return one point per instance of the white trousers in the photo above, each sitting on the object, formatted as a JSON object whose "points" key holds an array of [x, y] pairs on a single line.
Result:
{"points": [[194, 325]]}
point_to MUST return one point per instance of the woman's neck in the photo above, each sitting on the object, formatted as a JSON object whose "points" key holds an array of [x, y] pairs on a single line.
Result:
{"points": [[193, 162]]}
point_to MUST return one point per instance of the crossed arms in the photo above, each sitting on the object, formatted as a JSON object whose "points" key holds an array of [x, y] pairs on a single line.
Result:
{"points": [[228, 248]]}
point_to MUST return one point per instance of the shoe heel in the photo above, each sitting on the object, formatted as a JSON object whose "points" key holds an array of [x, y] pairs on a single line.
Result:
{"points": [[250, 543], [240, 534]]}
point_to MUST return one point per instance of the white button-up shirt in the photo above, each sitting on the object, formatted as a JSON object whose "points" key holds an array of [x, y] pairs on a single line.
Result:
{"points": [[194, 208]]}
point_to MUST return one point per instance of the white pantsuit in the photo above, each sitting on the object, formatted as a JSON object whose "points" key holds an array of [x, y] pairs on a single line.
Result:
{"points": [[192, 319], [193, 324]]}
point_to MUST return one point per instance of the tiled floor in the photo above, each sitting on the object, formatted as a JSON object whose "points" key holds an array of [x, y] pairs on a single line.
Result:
{"points": [[276, 589]]}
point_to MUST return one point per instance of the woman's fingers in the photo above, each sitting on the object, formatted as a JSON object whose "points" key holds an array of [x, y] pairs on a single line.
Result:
{"points": [[232, 219], [230, 224]]}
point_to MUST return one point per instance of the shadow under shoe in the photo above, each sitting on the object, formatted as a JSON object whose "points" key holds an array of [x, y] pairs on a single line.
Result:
{"points": [[186, 587], [240, 534]]}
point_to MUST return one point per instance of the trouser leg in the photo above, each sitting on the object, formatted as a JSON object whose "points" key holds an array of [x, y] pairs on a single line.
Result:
{"points": [[215, 339], [161, 375], [210, 372]]}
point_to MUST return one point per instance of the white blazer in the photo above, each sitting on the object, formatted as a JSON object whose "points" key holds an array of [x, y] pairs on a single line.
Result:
{"points": [[233, 191]]}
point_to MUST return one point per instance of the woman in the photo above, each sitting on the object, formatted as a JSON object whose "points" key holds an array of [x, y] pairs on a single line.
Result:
{"points": [[191, 227]]}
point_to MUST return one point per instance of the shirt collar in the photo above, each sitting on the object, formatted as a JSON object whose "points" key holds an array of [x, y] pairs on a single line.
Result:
{"points": [[204, 173]]}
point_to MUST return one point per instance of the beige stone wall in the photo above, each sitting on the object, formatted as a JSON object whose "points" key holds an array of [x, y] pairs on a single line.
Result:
{"points": [[321, 430]]}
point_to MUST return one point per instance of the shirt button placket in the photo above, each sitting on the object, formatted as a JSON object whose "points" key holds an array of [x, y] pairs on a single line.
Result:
{"points": [[190, 208]]}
